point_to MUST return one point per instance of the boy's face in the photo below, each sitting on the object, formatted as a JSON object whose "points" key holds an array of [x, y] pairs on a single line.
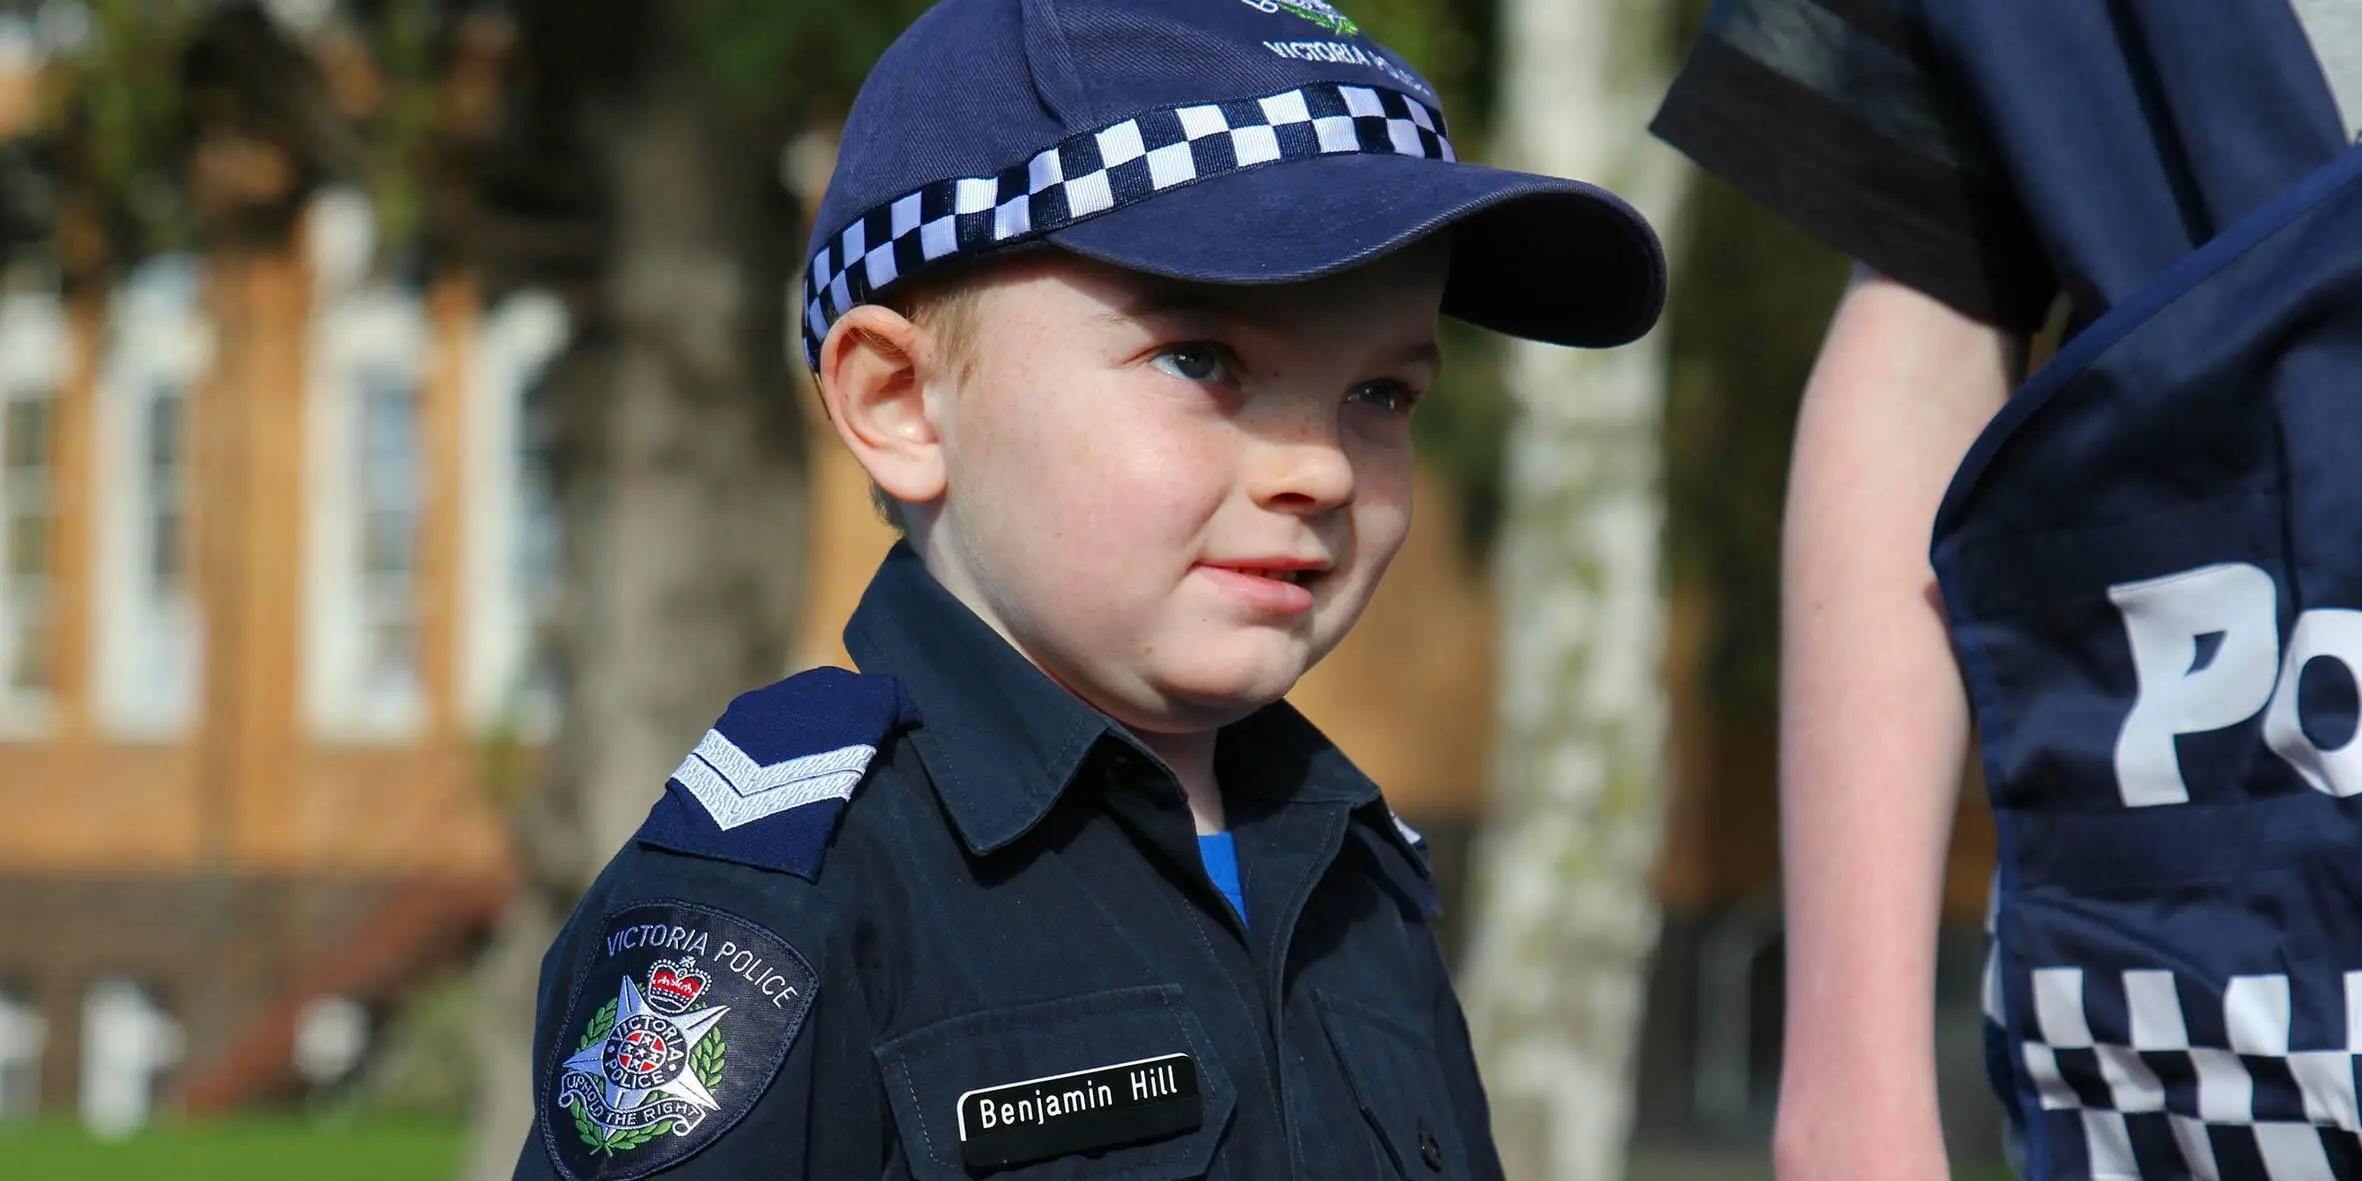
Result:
{"points": [[1176, 499]]}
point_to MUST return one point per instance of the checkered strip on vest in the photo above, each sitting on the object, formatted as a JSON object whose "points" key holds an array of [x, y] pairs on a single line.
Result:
{"points": [[2124, 1086], [1093, 172]]}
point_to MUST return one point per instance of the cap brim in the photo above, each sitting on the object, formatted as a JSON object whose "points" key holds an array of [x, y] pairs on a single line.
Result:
{"points": [[1532, 256]]}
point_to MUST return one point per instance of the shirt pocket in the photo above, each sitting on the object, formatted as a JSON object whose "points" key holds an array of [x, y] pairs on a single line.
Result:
{"points": [[1391, 1067], [934, 1073]]}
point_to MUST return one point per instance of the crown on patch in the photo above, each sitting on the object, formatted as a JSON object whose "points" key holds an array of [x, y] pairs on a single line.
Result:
{"points": [[674, 985]]}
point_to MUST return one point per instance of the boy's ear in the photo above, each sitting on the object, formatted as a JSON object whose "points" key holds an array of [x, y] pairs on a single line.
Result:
{"points": [[873, 379]]}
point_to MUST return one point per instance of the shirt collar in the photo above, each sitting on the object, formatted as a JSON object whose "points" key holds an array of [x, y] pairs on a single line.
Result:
{"points": [[1003, 741], [1277, 753], [1000, 739]]}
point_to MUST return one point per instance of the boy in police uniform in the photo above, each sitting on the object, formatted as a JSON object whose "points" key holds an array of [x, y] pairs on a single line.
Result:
{"points": [[1125, 306], [2145, 557]]}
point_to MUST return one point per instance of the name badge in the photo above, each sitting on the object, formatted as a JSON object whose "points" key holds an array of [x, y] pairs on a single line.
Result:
{"points": [[1085, 1111]]}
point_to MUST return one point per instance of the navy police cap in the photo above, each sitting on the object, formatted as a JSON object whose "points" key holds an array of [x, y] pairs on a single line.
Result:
{"points": [[1217, 141]]}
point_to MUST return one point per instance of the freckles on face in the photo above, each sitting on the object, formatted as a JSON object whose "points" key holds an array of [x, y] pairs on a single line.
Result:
{"points": [[1174, 504], [1071, 478]]}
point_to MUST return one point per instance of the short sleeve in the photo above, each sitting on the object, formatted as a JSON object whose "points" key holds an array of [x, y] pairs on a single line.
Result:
{"points": [[1841, 116]]}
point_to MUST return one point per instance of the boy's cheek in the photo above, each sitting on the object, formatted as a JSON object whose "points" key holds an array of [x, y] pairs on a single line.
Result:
{"points": [[1382, 515]]}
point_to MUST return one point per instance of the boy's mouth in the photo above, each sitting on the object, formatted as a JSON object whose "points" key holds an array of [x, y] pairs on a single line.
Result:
{"points": [[1297, 577], [1281, 585], [1289, 570]]}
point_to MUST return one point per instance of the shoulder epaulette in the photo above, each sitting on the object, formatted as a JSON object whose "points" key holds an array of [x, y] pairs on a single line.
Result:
{"points": [[1409, 851], [767, 784]]}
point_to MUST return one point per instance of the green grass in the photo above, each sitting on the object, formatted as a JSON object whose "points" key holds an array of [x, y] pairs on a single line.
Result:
{"points": [[1676, 1164], [288, 1150], [245, 1150]]}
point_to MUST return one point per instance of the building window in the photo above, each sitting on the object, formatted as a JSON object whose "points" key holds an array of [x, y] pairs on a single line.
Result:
{"points": [[366, 485], [28, 490], [32, 369], [541, 557], [512, 550], [366, 481], [387, 470], [148, 641], [166, 491]]}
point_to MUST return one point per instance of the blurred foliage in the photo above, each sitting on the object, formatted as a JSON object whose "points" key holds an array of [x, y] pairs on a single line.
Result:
{"points": [[1462, 431], [1453, 43], [1748, 308], [806, 55], [401, 124], [1750, 301], [163, 123], [811, 55], [426, 1067], [113, 122]]}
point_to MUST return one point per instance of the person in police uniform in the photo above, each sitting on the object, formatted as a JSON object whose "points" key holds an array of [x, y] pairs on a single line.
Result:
{"points": [[1124, 305], [2146, 562]]}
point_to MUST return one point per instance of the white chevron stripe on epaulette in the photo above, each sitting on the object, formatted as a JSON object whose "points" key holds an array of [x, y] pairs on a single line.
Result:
{"points": [[1402, 826], [737, 790]]}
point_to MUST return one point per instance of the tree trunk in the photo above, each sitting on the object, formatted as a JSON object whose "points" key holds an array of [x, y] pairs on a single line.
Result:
{"points": [[682, 485], [1566, 918]]}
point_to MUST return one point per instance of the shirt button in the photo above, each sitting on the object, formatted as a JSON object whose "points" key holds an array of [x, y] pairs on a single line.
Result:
{"points": [[1429, 1150]]}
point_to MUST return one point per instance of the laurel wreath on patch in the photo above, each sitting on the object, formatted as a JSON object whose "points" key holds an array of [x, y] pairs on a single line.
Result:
{"points": [[1322, 14], [1339, 24], [707, 1063]]}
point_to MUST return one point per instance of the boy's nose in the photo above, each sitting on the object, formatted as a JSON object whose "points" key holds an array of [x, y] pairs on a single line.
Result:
{"points": [[1306, 472]]}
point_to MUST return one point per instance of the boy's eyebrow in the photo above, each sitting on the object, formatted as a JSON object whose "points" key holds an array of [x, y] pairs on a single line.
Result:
{"points": [[1426, 352], [1187, 299]]}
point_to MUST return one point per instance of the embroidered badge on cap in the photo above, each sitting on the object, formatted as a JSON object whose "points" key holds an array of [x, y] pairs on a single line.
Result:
{"points": [[1319, 12], [1084, 1111], [679, 1020]]}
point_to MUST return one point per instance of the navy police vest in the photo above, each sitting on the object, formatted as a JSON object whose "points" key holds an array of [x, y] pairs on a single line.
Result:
{"points": [[2152, 563]]}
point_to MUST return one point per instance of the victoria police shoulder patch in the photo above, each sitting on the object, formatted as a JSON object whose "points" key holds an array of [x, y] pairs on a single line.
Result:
{"points": [[681, 1015], [768, 782]]}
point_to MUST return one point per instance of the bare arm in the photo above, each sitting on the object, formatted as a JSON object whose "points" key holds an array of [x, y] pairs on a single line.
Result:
{"points": [[1873, 727]]}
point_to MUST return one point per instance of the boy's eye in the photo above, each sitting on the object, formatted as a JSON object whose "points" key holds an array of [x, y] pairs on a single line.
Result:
{"points": [[1391, 396], [1193, 362]]}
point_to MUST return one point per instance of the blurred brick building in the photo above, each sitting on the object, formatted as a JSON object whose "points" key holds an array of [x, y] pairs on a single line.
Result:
{"points": [[264, 634]]}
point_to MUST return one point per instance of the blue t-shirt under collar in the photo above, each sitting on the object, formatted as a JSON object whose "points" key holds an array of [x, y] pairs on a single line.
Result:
{"points": [[1220, 853]]}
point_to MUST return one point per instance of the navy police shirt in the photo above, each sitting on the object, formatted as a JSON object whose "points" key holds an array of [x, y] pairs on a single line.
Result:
{"points": [[944, 920]]}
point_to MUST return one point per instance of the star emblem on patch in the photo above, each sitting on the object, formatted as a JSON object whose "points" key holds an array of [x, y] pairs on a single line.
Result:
{"points": [[681, 1016], [648, 1064]]}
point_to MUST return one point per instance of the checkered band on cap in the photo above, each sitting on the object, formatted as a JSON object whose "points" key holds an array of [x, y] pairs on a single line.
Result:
{"points": [[1093, 172]]}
